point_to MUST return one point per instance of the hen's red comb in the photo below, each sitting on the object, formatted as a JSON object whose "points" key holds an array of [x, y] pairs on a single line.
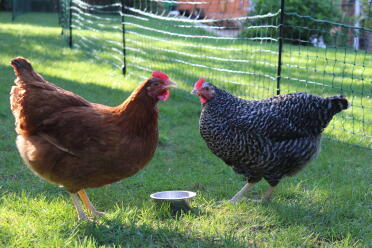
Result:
{"points": [[199, 83], [161, 75]]}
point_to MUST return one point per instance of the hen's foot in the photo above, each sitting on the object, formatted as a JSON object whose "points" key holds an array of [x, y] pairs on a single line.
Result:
{"points": [[267, 197], [255, 200], [268, 194], [238, 197], [88, 205], [79, 209], [235, 201], [98, 213]]}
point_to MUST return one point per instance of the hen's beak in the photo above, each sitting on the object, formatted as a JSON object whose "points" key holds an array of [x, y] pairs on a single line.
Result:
{"points": [[194, 91], [170, 84]]}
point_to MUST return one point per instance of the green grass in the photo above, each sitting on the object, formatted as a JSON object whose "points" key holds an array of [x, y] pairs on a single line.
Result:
{"points": [[327, 205]]}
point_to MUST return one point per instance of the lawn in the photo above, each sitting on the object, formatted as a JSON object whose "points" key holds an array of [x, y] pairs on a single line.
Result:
{"points": [[327, 205]]}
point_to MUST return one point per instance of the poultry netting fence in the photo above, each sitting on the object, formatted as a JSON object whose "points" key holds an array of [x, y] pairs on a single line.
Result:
{"points": [[20, 7], [253, 54]]}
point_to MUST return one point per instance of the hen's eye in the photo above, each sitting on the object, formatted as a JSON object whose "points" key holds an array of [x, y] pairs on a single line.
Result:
{"points": [[206, 88], [156, 84]]}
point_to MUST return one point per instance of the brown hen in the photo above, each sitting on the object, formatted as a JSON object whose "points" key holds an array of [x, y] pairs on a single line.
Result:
{"points": [[77, 144]]}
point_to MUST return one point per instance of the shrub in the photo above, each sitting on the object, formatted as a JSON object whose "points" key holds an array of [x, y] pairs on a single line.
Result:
{"points": [[298, 29]]}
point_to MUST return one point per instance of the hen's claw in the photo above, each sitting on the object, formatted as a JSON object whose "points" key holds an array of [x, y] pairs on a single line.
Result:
{"points": [[88, 205], [79, 209]]}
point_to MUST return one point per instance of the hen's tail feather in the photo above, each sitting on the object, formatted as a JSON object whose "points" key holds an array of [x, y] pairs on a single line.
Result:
{"points": [[21, 63], [338, 103], [23, 69]]}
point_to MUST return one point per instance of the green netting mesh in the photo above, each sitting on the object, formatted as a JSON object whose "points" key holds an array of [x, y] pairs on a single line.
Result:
{"points": [[237, 46], [20, 7], [23, 6]]}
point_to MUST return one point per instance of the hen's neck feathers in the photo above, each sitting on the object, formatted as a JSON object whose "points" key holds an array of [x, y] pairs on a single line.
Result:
{"points": [[222, 98], [139, 109]]}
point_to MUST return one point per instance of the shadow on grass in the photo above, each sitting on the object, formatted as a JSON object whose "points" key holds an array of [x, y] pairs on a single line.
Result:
{"points": [[32, 18], [323, 223], [113, 232]]}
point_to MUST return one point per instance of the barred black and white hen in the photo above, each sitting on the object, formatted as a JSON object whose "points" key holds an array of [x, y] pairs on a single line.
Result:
{"points": [[270, 138]]}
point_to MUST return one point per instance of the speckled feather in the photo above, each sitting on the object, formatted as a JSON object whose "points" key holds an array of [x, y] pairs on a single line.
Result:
{"points": [[268, 139]]}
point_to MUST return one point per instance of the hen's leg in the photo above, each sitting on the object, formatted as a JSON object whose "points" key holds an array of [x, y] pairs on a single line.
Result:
{"points": [[268, 194], [240, 194], [88, 205], [75, 200]]}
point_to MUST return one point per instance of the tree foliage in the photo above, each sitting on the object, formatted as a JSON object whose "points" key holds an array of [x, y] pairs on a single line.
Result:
{"points": [[299, 29]]}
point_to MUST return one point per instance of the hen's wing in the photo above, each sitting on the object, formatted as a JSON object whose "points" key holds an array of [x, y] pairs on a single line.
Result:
{"points": [[64, 119], [79, 130], [270, 124], [34, 99], [284, 117]]}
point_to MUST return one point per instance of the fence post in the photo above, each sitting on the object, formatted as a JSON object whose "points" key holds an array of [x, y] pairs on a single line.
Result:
{"points": [[14, 3], [124, 69], [281, 27], [59, 11], [62, 15], [70, 24]]}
